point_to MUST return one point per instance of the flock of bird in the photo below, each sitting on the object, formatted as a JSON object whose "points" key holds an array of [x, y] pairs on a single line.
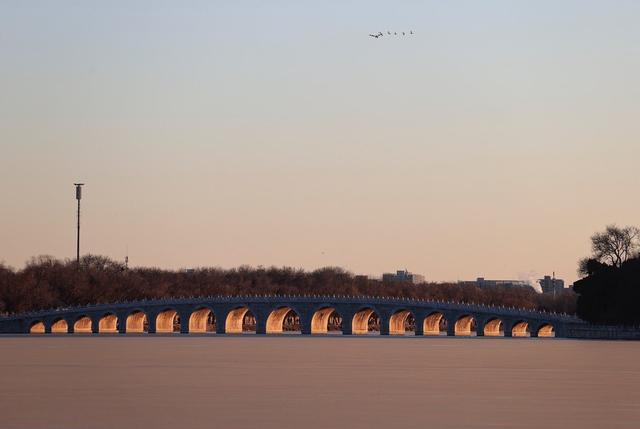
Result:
{"points": [[389, 33]]}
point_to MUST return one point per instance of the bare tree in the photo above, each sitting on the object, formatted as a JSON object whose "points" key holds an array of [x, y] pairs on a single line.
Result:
{"points": [[616, 245]]}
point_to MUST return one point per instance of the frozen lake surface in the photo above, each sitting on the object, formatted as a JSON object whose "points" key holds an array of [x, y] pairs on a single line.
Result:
{"points": [[158, 382]]}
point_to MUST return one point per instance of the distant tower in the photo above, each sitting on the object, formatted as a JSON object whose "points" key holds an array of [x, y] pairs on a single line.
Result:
{"points": [[78, 197]]}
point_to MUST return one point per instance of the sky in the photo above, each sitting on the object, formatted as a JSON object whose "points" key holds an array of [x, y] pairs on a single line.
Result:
{"points": [[492, 142]]}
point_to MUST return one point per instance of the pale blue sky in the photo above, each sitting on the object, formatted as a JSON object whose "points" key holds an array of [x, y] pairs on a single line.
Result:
{"points": [[492, 142]]}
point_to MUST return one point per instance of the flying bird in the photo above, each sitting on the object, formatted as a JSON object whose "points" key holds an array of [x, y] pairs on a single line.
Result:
{"points": [[395, 33]]}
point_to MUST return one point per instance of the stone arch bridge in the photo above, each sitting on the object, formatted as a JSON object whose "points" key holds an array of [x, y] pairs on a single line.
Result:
{"points": [[296, 314]]}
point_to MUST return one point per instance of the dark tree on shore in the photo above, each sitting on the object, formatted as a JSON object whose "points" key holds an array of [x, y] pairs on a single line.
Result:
{"points": [[609, 293]]}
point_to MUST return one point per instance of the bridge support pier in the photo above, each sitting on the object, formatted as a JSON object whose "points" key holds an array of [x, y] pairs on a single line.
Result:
{"points": [[347, 320], [151, 320], [451, 329], [261, 325], [121, 323], [184, 322], [384, 324], [347, 329], [305, 325], [220, 327], [419, 321]]}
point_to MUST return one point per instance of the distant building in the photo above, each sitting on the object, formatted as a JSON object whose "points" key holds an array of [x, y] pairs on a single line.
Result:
{"points": [[482, 282], [403, 276], [551, 284]]}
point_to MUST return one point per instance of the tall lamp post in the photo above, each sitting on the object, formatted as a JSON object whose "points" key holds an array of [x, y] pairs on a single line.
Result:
{"points": [[78, 197]]}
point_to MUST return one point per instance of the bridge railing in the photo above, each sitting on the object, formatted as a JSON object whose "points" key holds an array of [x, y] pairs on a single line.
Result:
{"points": [[366, 300]]}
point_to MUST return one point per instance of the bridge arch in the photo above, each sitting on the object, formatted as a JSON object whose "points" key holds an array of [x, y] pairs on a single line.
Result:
{"points": [[168, 321], [36, 327], [108, 324], [520, 329], [364, 321], [434, 324], [82, 325], [465, 326], [240, 320], [493, 327], [59, 326], [137, 322], [325, 320], [546, 330], [283, 319], [202, 320], [401, 322]]}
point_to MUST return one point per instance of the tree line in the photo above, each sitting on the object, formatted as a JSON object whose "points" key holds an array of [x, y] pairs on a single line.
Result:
{"points": [[46, 282]]}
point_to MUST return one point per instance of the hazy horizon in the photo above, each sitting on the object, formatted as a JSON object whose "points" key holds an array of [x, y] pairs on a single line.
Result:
{"points": [[493, 142]]}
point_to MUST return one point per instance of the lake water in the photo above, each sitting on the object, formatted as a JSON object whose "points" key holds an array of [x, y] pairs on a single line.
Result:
{"points": [[178, 381]]}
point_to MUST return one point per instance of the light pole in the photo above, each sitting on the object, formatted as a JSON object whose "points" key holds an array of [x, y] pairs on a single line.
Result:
{"points": [[78, 197]]}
